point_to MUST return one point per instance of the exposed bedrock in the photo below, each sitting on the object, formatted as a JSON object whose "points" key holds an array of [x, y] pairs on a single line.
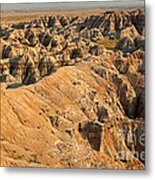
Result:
{"points": [[73, 91]]}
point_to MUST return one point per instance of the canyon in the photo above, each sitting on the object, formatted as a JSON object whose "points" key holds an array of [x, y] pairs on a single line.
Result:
{"points": [[73, 91]]}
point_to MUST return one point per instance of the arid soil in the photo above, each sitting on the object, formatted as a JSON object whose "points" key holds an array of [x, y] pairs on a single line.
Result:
{"points": [[72, 90]]}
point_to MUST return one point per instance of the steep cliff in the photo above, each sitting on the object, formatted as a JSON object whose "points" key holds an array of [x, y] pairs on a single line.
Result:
{"points": [[72, 91]]}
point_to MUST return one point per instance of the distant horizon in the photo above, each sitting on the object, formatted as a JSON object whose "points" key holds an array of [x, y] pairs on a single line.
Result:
{"points": [[78, 5]]}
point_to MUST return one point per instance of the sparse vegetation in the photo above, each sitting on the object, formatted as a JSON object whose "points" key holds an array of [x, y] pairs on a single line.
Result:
{"points": [[108, 43]]}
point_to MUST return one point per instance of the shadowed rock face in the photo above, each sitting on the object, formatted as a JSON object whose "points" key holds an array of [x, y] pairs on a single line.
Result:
{"points": [[72, 91], [31, 50]]}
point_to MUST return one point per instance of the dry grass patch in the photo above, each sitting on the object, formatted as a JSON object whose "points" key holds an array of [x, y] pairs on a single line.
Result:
{"points": [[108, 43]]}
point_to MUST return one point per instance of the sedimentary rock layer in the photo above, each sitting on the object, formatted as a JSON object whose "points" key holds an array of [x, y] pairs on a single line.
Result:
{"points": [[72, 91]]}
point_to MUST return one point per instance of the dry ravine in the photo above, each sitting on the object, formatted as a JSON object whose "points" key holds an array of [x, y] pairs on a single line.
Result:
{"points": [[72, 91]]}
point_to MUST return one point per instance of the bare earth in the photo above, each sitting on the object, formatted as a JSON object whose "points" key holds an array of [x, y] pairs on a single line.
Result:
{"points": [[72, 89]]}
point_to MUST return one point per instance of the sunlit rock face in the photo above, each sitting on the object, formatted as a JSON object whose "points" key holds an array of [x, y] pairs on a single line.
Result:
{"points": [[73, 92]]}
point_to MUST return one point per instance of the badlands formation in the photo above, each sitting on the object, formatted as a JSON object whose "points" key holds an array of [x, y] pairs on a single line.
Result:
{"points": [[72, 91]]}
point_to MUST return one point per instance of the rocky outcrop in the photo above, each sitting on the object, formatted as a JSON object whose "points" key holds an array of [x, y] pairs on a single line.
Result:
{"points": [[79, 122], [73, 91], [79, 37]]}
